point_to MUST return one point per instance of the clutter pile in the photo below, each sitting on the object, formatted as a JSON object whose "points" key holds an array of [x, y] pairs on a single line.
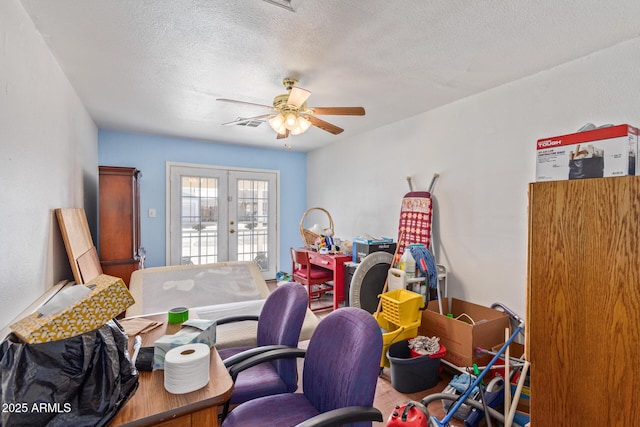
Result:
{"points": [[76, 354]]}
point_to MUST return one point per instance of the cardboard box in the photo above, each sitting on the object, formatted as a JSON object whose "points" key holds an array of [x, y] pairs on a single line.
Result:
{"points": [[598, 153], [460, 337], [107, 298], [363, 247]]}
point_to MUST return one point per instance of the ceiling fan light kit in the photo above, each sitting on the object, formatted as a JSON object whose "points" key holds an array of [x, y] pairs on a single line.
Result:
{"points": [[303, 124], [277, 123], [291, 116], [292, 122]]}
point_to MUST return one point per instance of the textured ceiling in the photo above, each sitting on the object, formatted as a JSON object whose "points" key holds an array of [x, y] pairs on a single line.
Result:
{"points": [[157, 66]]}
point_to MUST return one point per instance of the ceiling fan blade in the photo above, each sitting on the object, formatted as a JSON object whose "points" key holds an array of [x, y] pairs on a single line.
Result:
{"points": [[233, 101], [247, 119], [325, 125], [283, 135], [298, 96], [338, 111]]}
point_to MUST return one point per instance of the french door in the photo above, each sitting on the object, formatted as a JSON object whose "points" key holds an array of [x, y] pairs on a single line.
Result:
{"points": [[218, 214]]}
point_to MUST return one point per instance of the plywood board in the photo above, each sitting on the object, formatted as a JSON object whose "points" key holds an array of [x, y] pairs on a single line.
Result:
{"points": [[76, 235], [89, 265]]}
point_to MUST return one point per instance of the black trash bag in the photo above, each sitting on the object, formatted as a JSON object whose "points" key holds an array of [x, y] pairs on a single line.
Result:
{"points": [[78, 381], [592, 167]]}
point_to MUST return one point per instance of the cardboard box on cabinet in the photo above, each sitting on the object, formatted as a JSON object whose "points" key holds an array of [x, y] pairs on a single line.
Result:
{"points": [[599, 153]]}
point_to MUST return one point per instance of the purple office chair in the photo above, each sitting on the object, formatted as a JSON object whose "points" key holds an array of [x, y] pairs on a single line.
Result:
{"points": [[339, 377], [279, 326]]}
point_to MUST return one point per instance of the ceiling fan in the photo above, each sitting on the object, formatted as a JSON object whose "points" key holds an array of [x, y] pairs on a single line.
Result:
{"points": [[290, 114]]}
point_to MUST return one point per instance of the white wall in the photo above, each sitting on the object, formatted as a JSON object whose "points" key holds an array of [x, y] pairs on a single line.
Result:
{"points": [[484, 149], [48, 160]]}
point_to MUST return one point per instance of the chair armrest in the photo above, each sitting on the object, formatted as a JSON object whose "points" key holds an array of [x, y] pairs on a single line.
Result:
{"points": [[240, 318], [341, 416], [239, 357], [268, 356]]}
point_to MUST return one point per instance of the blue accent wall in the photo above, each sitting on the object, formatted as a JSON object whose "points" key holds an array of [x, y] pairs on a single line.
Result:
{"points": [[150, 154]]}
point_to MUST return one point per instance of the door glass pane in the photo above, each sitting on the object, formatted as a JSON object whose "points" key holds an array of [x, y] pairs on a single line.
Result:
{"points": [[217, 215], [199, 220], [253, 221]]}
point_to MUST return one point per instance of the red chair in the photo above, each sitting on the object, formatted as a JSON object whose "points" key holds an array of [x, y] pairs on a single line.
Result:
{"points": [[313, 277]]}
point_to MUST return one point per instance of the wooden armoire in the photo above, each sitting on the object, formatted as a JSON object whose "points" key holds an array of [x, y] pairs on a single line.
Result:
{"points": [[119, 221], [583, 302]]}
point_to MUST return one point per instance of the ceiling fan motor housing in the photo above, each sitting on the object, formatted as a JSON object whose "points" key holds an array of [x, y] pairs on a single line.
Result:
{"points": [[280, 101]]}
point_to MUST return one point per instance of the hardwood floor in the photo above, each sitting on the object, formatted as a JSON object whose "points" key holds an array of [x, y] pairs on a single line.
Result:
{"points": [[387, 398]]}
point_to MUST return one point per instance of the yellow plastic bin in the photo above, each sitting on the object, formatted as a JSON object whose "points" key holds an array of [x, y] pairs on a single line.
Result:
{"points": [[399, 319], [401, 307], [392, 333]]}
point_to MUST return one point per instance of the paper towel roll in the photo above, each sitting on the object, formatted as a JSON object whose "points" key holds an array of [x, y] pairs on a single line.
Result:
{"points": [[186, 368]]}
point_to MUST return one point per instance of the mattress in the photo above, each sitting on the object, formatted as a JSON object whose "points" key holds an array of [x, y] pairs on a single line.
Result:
{"points": [[213, 291]]}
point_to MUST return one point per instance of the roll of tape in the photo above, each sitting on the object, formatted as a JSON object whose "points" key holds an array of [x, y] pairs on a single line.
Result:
{"points": [[178, 315], [186, 368]]}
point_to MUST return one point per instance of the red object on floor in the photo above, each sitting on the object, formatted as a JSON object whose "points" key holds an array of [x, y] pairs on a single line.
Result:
{"points": [[411, 414]]}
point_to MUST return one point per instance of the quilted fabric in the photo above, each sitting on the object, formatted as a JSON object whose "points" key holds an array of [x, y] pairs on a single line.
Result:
{"points": [[415, 220]]}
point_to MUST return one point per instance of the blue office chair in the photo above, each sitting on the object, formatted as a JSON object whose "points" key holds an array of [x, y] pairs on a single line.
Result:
{"points": [[339, 377], [279, 325]]}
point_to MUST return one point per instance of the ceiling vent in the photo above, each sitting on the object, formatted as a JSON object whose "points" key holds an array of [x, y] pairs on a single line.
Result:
{"points": [[285, 4], [249, 123]]}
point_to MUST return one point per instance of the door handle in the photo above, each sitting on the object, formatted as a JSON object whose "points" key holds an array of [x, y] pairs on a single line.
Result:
{"points": [[232, 231]]}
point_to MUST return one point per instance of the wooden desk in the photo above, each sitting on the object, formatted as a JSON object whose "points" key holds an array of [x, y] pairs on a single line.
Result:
{"points": [[335, 263], [152, 405]]}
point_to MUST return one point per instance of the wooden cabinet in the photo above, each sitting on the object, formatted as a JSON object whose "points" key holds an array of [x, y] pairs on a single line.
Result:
{"points": [[583, 302], [119, 221]]}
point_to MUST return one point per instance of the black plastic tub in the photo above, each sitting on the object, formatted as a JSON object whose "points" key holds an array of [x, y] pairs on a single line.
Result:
{"points": [[412, 374]]}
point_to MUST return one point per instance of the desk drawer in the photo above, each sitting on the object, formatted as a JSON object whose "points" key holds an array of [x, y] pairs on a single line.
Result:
{"points": [[322, 260]]}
